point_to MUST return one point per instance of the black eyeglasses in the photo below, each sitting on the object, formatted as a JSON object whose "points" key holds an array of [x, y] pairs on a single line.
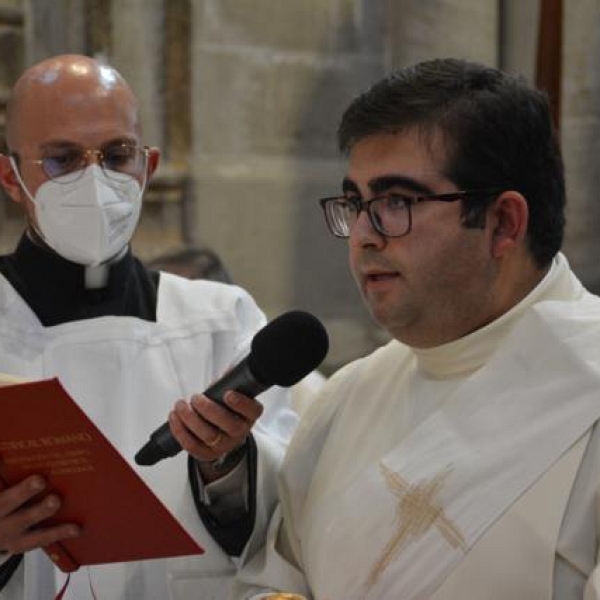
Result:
{"points": [[66, 163], [390, 215]]}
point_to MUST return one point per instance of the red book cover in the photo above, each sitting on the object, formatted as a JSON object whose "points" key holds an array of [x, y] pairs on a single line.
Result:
{"points": [[43, 431]]}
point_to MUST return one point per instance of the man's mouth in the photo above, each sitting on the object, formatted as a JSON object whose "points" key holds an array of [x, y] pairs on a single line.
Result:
{"points": [[380, 276]]}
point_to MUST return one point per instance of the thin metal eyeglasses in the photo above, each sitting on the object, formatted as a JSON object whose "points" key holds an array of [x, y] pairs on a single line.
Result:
{"points": [[66, 163], [390, 215]]}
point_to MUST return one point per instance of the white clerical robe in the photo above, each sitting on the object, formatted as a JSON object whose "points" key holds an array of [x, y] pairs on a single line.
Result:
{"points": [[445, 473], [126, 374]]}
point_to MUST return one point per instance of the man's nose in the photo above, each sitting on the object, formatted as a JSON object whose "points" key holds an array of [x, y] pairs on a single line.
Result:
{"points": [[363, 233]]}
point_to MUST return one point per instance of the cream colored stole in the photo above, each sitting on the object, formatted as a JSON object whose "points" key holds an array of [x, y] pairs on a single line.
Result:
{"points": [[515, 558], [418, 513]]}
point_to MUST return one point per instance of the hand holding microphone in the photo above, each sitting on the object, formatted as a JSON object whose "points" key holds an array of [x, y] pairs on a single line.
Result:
{"points": [[282, 353]]}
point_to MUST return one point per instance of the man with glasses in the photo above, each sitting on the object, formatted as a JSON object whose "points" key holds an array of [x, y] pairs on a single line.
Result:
{"points": [[126, 342], [459, 461]]}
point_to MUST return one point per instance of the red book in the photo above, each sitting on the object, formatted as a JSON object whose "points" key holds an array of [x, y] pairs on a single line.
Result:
{"points": [[43, 431]]}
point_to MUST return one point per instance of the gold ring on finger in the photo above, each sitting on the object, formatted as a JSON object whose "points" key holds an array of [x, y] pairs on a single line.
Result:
{"points": [[215, 442]]}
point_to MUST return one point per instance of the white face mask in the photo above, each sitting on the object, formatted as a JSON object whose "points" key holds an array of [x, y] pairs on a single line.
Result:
{"points": [[90, 220]]}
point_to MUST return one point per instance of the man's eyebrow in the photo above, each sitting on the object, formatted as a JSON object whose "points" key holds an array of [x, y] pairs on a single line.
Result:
{"points": [[349, 186], [129, 141], [59, 143], [384, 183]]}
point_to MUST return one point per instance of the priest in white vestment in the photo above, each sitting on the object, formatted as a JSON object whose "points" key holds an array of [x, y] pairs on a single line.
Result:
{"points": [[124, 341], [461, 460]]}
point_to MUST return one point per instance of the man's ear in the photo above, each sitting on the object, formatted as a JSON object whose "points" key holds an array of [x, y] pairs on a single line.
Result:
{"points": [[508, 217], [9, 180], [153, 160]]}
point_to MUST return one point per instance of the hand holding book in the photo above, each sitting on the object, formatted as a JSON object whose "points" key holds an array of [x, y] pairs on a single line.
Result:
{"points": [[23, 509], [24, 506], [88, 484]]}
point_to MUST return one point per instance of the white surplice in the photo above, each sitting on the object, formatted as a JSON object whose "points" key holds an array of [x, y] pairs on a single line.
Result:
{"points": [[445, 473], [126, 374]]}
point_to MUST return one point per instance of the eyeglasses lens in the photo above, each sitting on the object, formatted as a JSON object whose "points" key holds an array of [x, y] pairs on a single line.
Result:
{"points": [[115, 160], [123, 159], [389, 215], [59, 163]]}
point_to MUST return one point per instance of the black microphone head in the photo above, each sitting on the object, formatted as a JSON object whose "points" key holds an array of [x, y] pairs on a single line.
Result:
{"points": [[288, 348]]}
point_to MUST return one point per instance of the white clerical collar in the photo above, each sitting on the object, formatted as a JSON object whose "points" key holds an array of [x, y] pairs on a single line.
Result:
{"points": [[470, 352], [96, 277]]}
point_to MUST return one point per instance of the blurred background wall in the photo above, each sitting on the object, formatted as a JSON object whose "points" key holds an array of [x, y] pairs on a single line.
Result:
{"points": [[243, 97]]}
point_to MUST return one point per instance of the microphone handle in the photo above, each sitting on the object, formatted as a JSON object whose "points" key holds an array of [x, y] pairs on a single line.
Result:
{"points": [[239, 378], [160, 445]]}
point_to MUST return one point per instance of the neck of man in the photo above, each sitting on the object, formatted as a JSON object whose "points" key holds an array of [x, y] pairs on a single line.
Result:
{"points": [[515, 280]]}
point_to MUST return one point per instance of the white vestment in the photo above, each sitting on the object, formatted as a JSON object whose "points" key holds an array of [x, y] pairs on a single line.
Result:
{"points": [[469, 470], [126, 373]]}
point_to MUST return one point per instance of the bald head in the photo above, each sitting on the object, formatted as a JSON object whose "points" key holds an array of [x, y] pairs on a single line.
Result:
{"points": [[72, 87], [67, 105]]}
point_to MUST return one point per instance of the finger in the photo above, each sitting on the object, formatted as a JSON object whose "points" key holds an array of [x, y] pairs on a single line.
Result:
{"points": [[16, 534], [39, 538], [18, 522], [233, 425], [240, 406], [190, 441], [196, 423], [15, 496], [247, 407]]}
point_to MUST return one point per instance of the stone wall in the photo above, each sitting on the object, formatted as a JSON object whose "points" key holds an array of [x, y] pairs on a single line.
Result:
{"points": [[268, 93], [581, 137], [244, 99]]}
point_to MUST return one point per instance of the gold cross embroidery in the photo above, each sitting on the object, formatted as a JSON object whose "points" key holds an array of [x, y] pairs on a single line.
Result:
{"points": [[417, 511]]}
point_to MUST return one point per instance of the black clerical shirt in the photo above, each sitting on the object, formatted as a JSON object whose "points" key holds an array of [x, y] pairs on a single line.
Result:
{"points": [[54, 288]]}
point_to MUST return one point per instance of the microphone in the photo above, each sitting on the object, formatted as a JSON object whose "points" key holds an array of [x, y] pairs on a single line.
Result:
{"points": [[281, 353]]}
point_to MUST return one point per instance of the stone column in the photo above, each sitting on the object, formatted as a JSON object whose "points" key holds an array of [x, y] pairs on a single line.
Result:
{"points": [[149, 44], [519, 28], [12, 44], [137, 28], [420, 30], [53, 27], [581, 137], [580, 120]]}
